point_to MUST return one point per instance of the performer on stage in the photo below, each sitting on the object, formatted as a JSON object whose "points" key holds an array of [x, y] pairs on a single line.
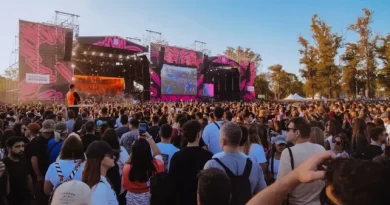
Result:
{"points": [[72, 98]]}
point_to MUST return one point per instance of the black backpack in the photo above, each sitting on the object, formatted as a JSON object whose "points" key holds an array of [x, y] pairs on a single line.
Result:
{"points": [[241, 186]]}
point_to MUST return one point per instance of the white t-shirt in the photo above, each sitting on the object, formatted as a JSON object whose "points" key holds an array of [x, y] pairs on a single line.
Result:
{"points": [[257, 154], [167, 151], [307, 193], [66, 167], [123, 157], [103, 194], [276, 167]]}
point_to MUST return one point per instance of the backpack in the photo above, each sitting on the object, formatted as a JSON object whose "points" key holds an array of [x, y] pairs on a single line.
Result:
{"points": [[62, 180], [241, 186]]}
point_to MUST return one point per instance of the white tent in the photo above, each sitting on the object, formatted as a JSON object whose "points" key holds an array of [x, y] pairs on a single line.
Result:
{"points": [[294, 97]]}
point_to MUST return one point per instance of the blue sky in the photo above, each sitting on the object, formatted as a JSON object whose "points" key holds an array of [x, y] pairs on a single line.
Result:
{"points": [[271, 28]]}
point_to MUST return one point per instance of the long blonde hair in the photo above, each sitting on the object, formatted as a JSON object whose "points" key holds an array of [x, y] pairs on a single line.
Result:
{"points": [[317, 136]]}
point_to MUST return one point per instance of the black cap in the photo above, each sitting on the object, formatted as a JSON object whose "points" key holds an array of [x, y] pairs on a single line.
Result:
{"points": [[90, 126], [98, 149]]}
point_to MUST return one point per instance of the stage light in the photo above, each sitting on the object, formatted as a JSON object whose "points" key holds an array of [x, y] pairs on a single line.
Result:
{"points": [[73, 53], [120, 56], [85, 52], [93, 53], [128, 57], [73, 79], [73, 66], [151, 83], [110, 55], [101, 54], [135, 57]]}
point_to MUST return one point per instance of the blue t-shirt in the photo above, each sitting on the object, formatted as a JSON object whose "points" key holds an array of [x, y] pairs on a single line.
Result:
{"points": [[167, 151], [54, 149]]}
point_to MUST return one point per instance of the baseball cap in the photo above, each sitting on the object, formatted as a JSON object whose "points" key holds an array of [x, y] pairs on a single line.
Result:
{"points": [[279, 140], [61, 128], [48, 126], [98, 149], [72, 192]]}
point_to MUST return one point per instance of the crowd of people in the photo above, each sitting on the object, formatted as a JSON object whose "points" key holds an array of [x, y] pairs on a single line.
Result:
{"points": [[195, 153]]}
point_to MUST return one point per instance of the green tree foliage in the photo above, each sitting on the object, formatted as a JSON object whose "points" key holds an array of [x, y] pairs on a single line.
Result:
{"points": [[284, 83], [240, 54], [262, 86], [366, 49], [327, 45], [320, 72], [383, 52], [309, 60], [350, 69]]}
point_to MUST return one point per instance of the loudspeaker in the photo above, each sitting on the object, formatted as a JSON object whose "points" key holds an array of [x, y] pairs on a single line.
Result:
{"points": [[146, 82], [68, 46]]}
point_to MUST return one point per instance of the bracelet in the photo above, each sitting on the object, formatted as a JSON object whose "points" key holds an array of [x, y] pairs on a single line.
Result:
{"points": [[150, 138]]}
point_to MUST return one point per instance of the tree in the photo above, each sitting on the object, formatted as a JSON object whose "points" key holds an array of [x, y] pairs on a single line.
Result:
{"points": [[326, 48], [383, 52], [262, 86], [284, 83], [241, 54], [12, 73], [309, 72], [366, 47], [350, 73]]}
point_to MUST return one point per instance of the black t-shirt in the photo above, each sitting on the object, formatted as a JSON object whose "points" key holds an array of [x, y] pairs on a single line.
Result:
{"points": [[104, 120], [3, 185], [184, 168], [154, 131], [88, 139], [18, 180], [372, 151], [38, 148]]}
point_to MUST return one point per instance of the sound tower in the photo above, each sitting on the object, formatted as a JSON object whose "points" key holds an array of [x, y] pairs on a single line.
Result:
{"points": [[159, 67], [146, 79], [68, 45]]}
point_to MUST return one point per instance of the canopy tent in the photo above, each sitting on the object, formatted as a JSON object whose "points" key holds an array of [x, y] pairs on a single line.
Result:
{"points": [[294, 97]]}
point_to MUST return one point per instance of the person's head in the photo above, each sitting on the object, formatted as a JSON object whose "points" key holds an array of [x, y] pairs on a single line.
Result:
{"points": [[71, 115], [332, 127], [358, 127], [104, 111], [90, 127], [191, 131], [72, 87], [218, 113], [155, 119], [214, 187], [134, 124], [141, 161], [15, 146], [357, 182], [228, 116], [100, 157], [72, 192], [230, 135], [254, 134], [165, 131], [279, 143], [111, 138], [62, 129], [378, 134], [199, 115], [124, 120], [72, 148], [48, 128], [317, 136], [298, 128], [341, 142]]}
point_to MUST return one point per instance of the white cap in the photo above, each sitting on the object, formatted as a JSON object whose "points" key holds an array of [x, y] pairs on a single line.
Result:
{"points": [[72, 193]]}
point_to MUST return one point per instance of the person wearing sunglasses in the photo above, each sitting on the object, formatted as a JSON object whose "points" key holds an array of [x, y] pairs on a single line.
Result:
{"points": [[100, 158], [341, 144]]}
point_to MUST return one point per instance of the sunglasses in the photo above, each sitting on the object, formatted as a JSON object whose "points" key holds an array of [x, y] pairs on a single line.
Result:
{"points": [[336, 142]]}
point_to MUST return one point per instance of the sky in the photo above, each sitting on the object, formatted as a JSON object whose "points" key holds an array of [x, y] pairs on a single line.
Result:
{"points": [[270, 28]]}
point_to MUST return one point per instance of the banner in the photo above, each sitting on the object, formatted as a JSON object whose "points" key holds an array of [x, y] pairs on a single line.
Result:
{"points": [[37, 78]]}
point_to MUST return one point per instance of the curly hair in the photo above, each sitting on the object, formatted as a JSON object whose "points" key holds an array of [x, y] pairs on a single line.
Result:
{"points": [[358, 182]]}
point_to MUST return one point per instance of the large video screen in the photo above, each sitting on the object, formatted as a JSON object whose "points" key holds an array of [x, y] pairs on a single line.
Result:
{"points": [[178, 80], [208, 90]]}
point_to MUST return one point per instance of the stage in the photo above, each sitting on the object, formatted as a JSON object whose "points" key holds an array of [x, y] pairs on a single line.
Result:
{"points": [[52, 57]]}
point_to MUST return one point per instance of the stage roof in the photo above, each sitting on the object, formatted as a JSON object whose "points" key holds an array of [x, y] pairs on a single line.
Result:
{"points": [[116, 42], [222, 60]]}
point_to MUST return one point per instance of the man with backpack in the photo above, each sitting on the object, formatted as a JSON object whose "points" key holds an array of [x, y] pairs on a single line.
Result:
{"points": [[246, 177]]}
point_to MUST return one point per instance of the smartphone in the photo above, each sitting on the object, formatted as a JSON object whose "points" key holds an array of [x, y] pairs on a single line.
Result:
{"points": [[142, 128]]}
